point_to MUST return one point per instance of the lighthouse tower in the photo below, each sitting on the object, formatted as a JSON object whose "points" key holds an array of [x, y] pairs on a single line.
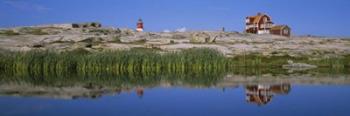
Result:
{"points": [[139, 26]]}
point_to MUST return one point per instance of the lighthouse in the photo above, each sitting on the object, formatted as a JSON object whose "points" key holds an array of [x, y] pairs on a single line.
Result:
{"points": [[139, 26]]}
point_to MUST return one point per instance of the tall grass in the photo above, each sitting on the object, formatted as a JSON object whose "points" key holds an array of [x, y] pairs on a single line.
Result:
{"points": [[139, 62], [132, 62]]}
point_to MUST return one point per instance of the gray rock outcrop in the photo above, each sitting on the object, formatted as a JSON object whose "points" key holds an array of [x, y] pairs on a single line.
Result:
{"points": [[63, 38], [298, 66]]}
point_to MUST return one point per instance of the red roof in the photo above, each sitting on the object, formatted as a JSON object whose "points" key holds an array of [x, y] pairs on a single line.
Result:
{"points": [[258, 17]]}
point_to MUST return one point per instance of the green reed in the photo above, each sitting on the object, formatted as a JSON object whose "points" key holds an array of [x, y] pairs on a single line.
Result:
{"points": [[140, 61], [130, 62]]}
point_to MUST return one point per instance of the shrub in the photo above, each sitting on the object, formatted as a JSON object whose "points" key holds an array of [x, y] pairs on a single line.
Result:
{"points": [[116, 39], [8, 33], [95, 24], [100, 31], [33, 31], [141, 41]]}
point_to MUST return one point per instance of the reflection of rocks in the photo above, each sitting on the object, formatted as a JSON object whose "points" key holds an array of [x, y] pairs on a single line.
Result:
{"points": [[260, 88], [262, 94], [90, 91], [73, 92]]}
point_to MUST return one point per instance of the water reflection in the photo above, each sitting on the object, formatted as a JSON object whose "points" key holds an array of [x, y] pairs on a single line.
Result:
{"points": [[139, 91], [263, 94], [260, 94], [260, 87], [241, 92]]}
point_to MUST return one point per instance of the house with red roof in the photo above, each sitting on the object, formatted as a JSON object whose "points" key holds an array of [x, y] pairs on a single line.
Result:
{"points": [[262, 24]]}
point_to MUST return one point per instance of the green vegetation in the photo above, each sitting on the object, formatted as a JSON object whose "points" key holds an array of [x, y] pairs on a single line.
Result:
{"points": [[146, 67], [153, 79], [33, 31], [140, 62], [8, 32], [95, 24], [100, 31], [131, 62], [116, 39], [141, 41], [278, 61]]}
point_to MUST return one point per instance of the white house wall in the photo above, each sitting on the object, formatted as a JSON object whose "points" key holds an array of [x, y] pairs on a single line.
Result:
{"points": [[263, 31]]}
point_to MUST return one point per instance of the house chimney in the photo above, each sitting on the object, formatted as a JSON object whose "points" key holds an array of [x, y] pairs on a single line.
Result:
{"points": [[259, 14]]}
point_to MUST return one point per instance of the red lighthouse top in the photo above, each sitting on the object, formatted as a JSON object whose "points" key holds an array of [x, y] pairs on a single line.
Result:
{"points": [[139, 25]]}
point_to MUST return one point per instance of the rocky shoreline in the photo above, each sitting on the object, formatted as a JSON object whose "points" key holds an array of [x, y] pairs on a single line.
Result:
{"points": [[94, 39]]}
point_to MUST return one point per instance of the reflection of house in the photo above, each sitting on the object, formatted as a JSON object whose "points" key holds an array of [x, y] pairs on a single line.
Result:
{"points": [[262, 94], [262, 24]]}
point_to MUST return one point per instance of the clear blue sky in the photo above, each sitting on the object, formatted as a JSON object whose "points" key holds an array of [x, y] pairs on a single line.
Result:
{"points": [[316, 17]]}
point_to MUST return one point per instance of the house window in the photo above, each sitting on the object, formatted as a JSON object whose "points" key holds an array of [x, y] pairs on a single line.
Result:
{"points": [[285, 31], [247, 20], [265, 19]]}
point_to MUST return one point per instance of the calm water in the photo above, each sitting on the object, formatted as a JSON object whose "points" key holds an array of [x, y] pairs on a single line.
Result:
{"points": [[231, 94]]}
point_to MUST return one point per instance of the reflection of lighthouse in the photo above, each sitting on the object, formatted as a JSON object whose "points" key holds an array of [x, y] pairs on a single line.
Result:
{"points": [[139, 26]]}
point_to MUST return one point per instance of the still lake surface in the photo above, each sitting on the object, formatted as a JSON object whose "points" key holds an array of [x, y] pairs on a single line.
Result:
{"points": [[315, 94]]}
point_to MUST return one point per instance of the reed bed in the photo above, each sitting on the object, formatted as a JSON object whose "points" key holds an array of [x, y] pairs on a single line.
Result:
{"points": [[139, 62], [132, 62]]}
